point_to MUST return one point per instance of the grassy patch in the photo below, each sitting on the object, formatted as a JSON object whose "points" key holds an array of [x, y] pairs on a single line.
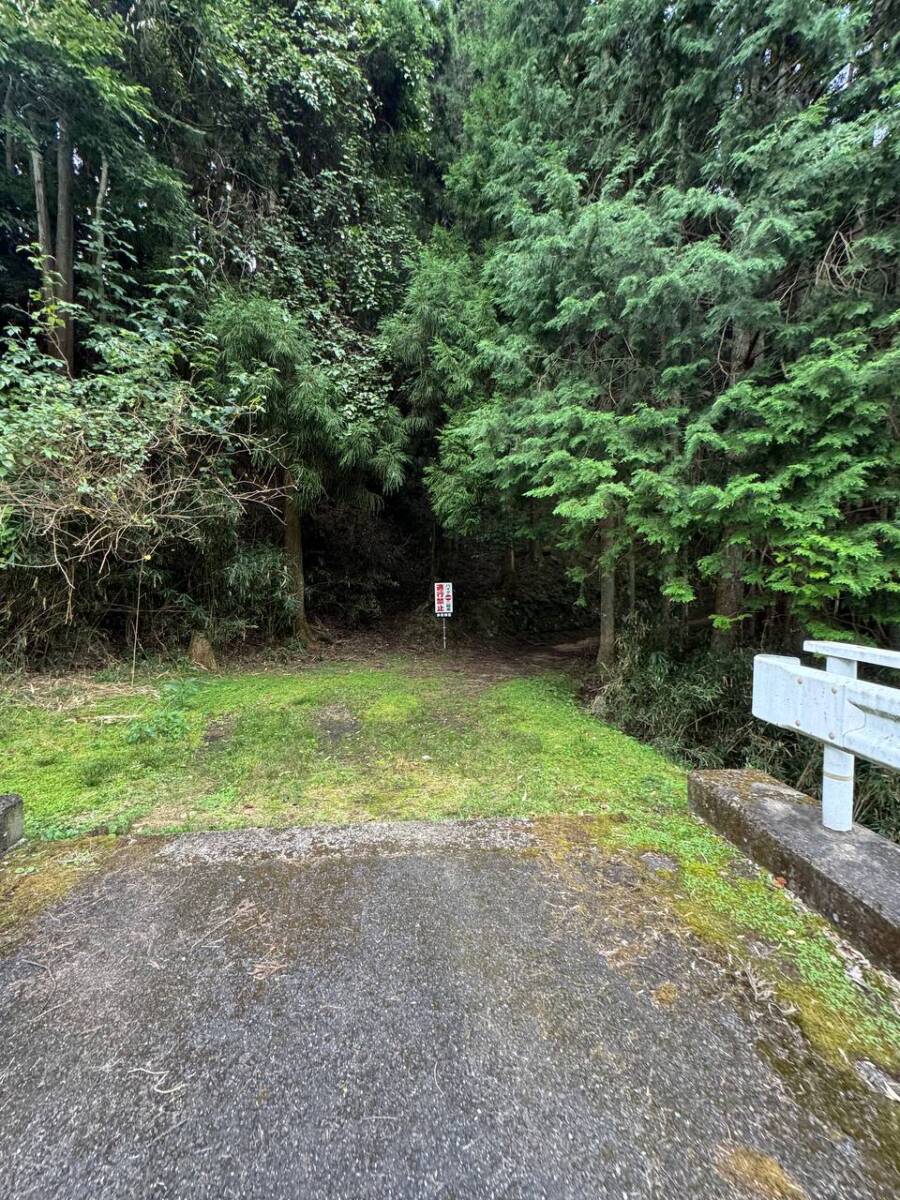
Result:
{"points": [[328, 744], [337, 744]]}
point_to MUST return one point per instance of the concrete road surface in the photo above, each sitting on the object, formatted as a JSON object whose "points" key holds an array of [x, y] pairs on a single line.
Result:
{"points": [[401, 1011]]}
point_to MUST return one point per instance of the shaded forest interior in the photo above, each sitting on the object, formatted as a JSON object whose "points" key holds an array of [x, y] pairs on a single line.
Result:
{"points": [[589, 307]]}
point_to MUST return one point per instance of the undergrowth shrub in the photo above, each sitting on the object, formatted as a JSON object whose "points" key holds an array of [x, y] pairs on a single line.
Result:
{"points": [[169, 721]]}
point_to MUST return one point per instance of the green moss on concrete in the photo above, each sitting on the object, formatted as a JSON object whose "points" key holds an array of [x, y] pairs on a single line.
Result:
{"points": [[788, 949], [32, 877], [757, 1174]]}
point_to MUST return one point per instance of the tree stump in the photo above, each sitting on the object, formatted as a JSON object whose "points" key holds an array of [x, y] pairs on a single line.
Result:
{"points": [[201, 653]]}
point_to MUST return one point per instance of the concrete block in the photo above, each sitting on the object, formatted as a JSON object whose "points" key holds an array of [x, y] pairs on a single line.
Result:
{"points": [[851, 878], [11, 827]]}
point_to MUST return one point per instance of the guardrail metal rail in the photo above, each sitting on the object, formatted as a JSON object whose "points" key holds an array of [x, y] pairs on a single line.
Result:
{"points": [[849, 716]]}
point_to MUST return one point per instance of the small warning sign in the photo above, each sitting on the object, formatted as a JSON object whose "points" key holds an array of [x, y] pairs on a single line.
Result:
{"points": [[443, 599]]}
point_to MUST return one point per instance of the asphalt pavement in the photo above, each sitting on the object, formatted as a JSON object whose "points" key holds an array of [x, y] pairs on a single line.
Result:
{"points": [[444, 1011]]}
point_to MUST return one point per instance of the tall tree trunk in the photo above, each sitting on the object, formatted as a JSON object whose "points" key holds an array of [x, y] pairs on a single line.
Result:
{"points": [[877, 34], [730, 585], [741, 352], [65, 239], [9, 146], [100, 236], [606, 653], [632, 579], [293, 550], [729, 596], [45, 241], [508, 571]]}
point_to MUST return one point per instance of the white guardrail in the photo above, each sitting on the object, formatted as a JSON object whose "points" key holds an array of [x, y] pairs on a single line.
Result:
{"points": [[851, 717]]}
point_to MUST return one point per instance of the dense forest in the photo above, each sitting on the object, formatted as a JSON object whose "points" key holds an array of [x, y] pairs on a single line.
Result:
{"points": [[589, 305]]}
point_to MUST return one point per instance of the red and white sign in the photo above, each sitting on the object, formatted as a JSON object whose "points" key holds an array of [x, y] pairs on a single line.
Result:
{"points": [[443, 599]]}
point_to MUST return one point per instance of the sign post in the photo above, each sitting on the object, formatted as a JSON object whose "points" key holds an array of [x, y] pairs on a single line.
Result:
{"points": [[443, 606]]}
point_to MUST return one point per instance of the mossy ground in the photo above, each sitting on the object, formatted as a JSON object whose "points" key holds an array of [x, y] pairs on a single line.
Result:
{"points": [[36, 874], [342, 743], [326, 744]]}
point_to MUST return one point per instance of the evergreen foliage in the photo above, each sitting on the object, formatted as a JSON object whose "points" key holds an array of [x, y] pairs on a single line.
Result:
{"points": [[307, 302], [678, 326]]}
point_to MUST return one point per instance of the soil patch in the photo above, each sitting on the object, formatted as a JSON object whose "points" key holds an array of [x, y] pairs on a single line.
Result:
{"points": [[219, 731], [335, 724]]}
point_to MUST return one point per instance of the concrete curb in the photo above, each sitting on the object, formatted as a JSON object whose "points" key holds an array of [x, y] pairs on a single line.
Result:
{"points": [[852, 878]]}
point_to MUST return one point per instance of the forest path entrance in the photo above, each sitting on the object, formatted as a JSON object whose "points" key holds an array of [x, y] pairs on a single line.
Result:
{"points": [[368, 727], [489, 1008]]}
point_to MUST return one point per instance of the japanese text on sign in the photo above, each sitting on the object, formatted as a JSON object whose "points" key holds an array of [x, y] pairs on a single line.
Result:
{"points": [[443, 599]]}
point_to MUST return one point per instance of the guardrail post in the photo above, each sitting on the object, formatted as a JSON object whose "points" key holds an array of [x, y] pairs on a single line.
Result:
{"points": [[838, 768], [851, 717]]}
